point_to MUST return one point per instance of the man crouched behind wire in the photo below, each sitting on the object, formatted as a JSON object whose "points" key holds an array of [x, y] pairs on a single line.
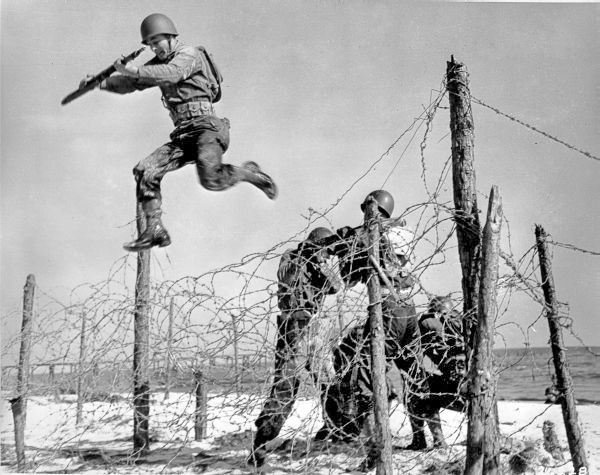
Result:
{"points": [[349, 401], [305, 277]]}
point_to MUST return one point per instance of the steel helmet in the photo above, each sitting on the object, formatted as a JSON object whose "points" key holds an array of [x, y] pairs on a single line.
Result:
{"points": [[319, 233], [385, 202], [157, 24], [441, 304]]}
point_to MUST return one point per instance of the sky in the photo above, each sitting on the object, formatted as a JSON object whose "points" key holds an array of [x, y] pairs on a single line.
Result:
{"points": [[316, 93]]}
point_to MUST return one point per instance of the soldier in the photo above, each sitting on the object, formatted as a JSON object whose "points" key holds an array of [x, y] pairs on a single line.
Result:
{"points": [[305, 277], [441, 330], [352, 395], [399, 317], [189, 84]]}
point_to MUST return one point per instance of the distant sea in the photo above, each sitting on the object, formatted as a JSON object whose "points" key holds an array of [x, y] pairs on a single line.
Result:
{"points": [[526, 373]]}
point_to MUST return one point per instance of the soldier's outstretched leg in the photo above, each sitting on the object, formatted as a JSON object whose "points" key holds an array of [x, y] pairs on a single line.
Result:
{"points": [[155, 233], [218, 176], [252, 173]]}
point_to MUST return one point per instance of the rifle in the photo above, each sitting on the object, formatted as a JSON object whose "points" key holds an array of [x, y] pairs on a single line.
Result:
{"points": [[98, 78]]}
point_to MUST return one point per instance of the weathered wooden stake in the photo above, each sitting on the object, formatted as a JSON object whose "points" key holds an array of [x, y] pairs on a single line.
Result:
{"points": [[468, 230], [81, 372], [200, 420], [141, 347], [19, 403], [169, 350], [483, 452], [382, 438], [564, 383]]}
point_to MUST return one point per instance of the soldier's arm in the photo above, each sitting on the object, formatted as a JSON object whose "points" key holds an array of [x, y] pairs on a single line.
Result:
{"points": [[121, 84], [185, 63]]}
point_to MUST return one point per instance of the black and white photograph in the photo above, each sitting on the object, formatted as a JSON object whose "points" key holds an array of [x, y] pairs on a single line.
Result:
{"points": [[300, 236]]}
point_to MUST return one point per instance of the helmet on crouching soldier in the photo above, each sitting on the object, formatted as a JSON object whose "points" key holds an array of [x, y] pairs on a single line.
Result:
{"points": [[157, 24], [315, 243], [319, 233], [441, 304], [385, 202]]}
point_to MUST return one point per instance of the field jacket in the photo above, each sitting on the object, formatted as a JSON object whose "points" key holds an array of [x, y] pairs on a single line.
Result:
{"points": [[182, 78]]}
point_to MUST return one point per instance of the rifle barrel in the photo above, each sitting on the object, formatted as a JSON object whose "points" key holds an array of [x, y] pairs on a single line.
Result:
{"points": [[98, 78]]}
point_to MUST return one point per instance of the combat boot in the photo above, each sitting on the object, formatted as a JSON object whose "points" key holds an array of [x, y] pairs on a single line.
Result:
{"points": [[253, 174], [155, 233], [257, 457]]}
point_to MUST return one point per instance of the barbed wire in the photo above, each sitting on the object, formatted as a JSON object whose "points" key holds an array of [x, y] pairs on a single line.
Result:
{"points": [[535, 129], [222, 323], [573, 248]]}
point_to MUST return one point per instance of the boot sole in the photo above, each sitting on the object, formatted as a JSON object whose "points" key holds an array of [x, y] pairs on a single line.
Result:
{"points": [[145, 248]]}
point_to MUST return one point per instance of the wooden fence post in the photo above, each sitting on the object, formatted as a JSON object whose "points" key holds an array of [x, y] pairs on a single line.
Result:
{"points": [[200, 419], [483, 453], [141, 347], [80, 373], [19, 403], [382, 438], [564, 382], [169, 349], [468, 230]]}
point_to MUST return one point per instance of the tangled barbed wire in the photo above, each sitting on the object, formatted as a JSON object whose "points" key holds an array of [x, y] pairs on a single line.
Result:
{"points": [[221, 323]]}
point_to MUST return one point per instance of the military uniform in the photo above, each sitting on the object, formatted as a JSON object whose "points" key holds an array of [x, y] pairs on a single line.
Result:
{"points": [[349, 399], [303, 284], [441, 335], [188, 87], [199, 137]]}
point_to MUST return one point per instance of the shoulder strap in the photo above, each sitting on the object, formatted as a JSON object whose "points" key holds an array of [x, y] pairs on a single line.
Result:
{"points": [[214, 71]]}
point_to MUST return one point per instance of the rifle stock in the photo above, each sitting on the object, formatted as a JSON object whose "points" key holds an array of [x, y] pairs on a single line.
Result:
{"points": [[98, 78]]}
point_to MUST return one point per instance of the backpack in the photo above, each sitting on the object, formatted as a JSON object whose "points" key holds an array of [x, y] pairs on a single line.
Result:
{"points": [[214, 75]]}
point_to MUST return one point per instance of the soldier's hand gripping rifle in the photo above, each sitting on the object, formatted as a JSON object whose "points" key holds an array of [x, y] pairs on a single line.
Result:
{"points": [[94, 81]]}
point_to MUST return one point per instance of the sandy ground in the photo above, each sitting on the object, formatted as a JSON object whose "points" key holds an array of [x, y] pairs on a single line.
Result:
{"points": [[102, 442]]}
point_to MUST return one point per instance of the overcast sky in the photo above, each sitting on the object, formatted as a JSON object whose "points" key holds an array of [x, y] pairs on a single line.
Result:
{"points": [[316, 92]]}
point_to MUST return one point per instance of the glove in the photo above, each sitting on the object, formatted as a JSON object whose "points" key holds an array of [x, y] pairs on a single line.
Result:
{"points": [[84, 82], [126, 69]]}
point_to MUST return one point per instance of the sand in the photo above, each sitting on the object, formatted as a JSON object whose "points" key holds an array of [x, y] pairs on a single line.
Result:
{"points": [[102, 442]]}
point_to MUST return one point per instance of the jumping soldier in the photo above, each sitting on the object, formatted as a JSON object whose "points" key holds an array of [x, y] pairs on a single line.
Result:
{"points": [[305, 277], [190, 84]]}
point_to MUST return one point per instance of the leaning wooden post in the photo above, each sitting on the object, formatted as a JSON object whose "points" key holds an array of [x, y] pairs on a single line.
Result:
{"points": [[19, 403], [564, 382], [382, 443], [468, 230], [141, 347], [169, 350], [80, 373], [200, 419], [483, 455]]}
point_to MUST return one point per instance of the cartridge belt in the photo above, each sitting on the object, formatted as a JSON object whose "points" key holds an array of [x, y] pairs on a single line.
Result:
{"points": [[191, 109]]}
